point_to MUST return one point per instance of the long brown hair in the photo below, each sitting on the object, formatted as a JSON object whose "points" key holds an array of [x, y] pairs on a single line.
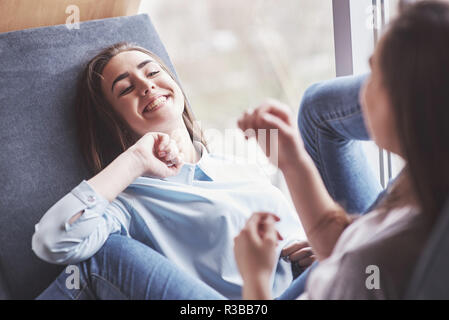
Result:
{"points": [[414, 63], [102, 133]]}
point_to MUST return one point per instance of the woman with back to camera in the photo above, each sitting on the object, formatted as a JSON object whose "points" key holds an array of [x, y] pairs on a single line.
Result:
{"points": [[156, 185], [405, 104]]}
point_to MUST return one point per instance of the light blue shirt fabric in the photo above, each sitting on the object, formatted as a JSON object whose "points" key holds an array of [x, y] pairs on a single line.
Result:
{"points": [[191, 218]]}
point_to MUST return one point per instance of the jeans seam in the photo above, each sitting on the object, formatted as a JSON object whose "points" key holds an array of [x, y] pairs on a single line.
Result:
{"points": [[324, 170], [351, 111], [80, 292], [95, 275], [320, 122]]}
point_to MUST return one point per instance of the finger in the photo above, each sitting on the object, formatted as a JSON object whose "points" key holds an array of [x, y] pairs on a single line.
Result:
{"points": [[270, 236], [301, 254], [171, 169], [266, 226], [171, 151], [178, 159], [169, 157], [295, 246], [257, 216], [254, 226], [163, 140], [264, 222], [269, 121], [280, 237], [168, 146], [278, 109], [306, 262], [245, 124]]}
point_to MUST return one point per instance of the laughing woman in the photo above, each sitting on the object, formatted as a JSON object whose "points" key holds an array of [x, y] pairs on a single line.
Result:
{"points": [[158, 217]]}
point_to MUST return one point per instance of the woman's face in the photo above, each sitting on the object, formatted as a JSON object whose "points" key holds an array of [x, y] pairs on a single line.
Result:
{"points": [[142, 93], [377, 109]]}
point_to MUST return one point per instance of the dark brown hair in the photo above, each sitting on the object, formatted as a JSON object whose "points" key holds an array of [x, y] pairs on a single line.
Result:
{"points": [[102, 133], [414, 63]]}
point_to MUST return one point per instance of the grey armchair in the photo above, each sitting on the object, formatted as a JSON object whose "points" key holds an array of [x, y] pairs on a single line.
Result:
{"points": [[431, 276], [39, 157]]}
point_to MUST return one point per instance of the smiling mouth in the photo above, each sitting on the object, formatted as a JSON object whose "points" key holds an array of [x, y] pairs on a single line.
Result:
{"points": [[155, 104]]}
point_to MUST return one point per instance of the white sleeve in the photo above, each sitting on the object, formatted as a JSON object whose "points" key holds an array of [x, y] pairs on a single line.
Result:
{"points": [[57, 241]]}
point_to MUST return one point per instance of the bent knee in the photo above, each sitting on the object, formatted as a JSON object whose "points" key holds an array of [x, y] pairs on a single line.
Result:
{"points": [[317, 99], [329, 96]]}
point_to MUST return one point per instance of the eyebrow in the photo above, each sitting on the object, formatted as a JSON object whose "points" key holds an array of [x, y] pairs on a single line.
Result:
{"points": [[126, 74]]}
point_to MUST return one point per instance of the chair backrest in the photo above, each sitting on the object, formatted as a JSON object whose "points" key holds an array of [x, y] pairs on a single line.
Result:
{"points": [[39, 157], [431, 276]]}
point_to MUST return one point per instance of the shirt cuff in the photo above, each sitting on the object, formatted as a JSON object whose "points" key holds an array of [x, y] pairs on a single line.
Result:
{"points": [[95, 203]]}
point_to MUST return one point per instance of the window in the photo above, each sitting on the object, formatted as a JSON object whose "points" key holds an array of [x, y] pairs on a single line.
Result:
{"points": [[230, 55], [358, 25]]}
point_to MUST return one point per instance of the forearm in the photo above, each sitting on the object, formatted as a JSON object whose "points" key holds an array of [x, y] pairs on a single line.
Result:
{"points": [[322, 218], [118, 175], [256, 288]]}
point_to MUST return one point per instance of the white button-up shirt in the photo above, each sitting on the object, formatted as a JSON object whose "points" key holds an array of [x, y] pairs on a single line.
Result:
{"points": [[191, 218]]}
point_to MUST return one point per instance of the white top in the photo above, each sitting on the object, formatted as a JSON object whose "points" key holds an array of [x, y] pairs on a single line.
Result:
{"points": [[191, 218]]}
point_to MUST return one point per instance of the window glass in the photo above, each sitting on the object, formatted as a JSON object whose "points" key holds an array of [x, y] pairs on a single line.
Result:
{"points": [[230, 55]]}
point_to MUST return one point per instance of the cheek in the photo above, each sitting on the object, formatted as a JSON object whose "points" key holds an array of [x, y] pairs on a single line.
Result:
{"points": [[367, 105], [178, 97], [378, 116], [125, 108]]}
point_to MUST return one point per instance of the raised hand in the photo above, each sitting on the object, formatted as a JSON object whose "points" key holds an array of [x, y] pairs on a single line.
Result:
{"points": [[158, 155], [255, 246], [272, 114]]}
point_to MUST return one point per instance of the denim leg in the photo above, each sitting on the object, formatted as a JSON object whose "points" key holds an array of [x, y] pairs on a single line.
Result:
{"points": [[125, 268], [331, 124], [298, 285]]}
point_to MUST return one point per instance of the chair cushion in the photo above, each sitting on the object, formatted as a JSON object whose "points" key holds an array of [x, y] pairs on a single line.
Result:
{"points": [[39, 158], [431, 279]]}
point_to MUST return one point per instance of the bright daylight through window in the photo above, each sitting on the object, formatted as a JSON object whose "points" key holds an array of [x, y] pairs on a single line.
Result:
{"points": [[230, 55]]}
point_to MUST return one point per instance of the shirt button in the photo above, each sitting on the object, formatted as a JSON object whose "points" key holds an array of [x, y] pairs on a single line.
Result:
{"points": [[91, 199]]}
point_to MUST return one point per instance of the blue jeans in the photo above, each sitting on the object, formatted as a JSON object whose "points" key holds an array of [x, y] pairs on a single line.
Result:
{"points": [[331, 125], [123, 269]]}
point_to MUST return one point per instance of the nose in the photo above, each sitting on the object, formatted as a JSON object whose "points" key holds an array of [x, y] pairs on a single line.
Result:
{"points": [[146, 87]]}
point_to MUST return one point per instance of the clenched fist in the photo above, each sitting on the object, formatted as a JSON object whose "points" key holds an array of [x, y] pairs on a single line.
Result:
{"points": [[158, 155]]}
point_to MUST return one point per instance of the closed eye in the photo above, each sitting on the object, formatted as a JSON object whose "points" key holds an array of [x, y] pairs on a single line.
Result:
{"points": [[130, 88], [153, 73], [127, 90]]}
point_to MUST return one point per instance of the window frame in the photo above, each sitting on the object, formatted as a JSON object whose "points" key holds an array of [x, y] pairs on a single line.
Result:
{"points": [[357, 28]]}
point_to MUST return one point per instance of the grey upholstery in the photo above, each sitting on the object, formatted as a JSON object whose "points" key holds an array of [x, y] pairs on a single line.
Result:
{"points": [[431, 276], [39, 158]]}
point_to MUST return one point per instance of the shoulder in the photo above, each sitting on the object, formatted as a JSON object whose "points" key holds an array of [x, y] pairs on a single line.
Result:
{"points": [[388, 259]]}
